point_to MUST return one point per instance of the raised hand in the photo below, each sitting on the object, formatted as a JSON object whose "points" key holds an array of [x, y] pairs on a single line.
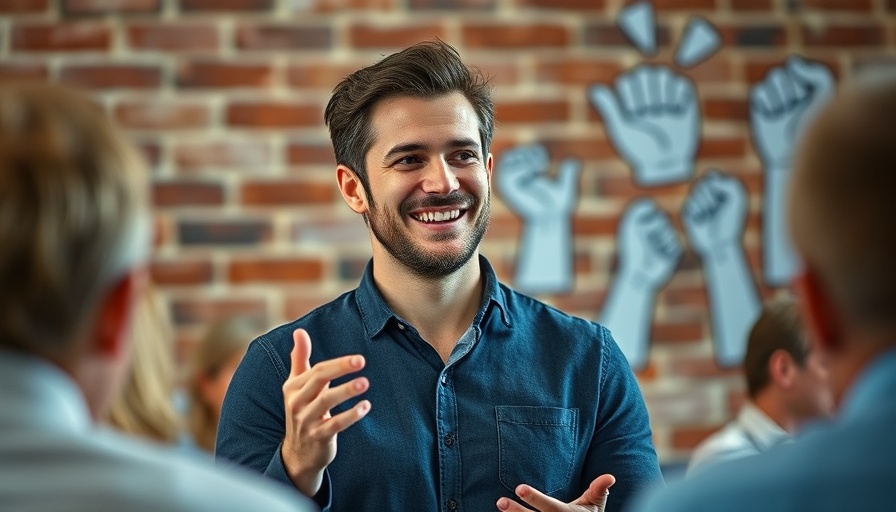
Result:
{"points": [[648, 244], [309, 445], [524, 183], [654, 122], [593, 500], [715, 213], [782, 105]]}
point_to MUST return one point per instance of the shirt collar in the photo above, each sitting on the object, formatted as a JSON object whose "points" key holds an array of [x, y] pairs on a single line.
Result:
{"points": [[375, 313], [762, 430], [37, 393], [876, 385]]}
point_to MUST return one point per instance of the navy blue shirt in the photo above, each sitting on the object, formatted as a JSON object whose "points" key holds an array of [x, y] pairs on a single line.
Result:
{"points": [[530, 395]]}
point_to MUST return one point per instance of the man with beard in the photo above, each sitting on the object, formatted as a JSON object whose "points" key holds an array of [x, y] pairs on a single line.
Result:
{"points": [[471, 392]]}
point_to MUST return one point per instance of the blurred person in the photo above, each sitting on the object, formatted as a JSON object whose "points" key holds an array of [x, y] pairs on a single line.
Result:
{"points": [[786, 387], [212, 364], [146, 408], [76, 229], [473, 393], [841, 210]]}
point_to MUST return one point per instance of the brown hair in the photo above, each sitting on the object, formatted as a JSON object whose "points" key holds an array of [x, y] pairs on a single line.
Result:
{"points": [[842, 205], [426, 70], [73, 214], [778, 328]]}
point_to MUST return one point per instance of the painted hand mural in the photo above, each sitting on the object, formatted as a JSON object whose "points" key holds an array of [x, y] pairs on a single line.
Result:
{"points": [[648, 252], [653, 121], [544, 264], [781, 106], [714, 217]]}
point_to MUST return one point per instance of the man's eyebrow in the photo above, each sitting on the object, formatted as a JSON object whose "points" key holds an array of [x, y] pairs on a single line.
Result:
{"points": [[418, 146]]}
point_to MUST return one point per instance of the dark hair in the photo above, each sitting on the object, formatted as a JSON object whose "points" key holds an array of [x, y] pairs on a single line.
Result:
{"points": [[778, 328], [427, 69]]}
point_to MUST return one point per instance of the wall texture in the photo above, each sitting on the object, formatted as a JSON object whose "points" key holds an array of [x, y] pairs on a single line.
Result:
{"points": [[226, 99]]}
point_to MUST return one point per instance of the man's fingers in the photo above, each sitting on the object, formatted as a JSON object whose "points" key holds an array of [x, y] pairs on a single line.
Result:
{"points": [[301, 353], [537, 499], [304, 388], [597, 492], [331, 397], [336, 424]]}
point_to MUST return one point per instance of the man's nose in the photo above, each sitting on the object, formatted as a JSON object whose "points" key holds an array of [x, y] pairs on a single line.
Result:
{"points": [[440, 178]]}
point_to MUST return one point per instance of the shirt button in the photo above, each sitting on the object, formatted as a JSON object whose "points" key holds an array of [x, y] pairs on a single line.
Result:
{"points": [[449, 440], [452, 505], [401, 326]]}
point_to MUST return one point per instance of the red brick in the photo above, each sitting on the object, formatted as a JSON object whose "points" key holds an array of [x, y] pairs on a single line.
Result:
{"points": [[302, 153], [226, 5], [501, 36], [531, 111], [205, 310], [753, 36], [625, 188], [589, 147], [343, 5], [717, 70], [691, 296], [577, 71], [751, 5], [727, 147], [452, 5], [867, 35], [833, 5], [594, 225], [274, 115], [566, 5], [700, 368], [14, 71], [104, 7], [151, 151], [61, 37], [585, 304], [300, 305], [112, 76], [287, 193], [224, 232], [497, 72], [504, 226], [180, 37], [319, 74], [669, 5], [182, 272], [757, 68], [606, 34], [682, 332], [187, 193], [689, 438], [161, 115], [727, 109], [23, 6], [275, 271], [224, 74], [215, 154], [379, 36], [284, 37]]}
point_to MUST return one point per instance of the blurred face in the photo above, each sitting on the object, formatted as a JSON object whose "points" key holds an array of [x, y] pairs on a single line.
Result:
{"points": [[812, 394], [214, 387], [429, 182]]}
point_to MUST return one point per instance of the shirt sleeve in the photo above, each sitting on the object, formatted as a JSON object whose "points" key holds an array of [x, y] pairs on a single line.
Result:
{"points": [[622, 443]]}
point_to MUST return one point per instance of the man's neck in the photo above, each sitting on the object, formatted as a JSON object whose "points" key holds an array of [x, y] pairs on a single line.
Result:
{"points": [[773, 407], [441, 309]]}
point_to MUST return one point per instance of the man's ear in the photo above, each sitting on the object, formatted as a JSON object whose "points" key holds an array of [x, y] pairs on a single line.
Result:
{"points": [[818, 311], [489, 166], [781, 368], [351, 188], [114, 313]]}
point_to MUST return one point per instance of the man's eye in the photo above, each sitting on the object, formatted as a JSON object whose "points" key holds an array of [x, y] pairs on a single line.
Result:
{"points": [[466, 156], [407, 160]]}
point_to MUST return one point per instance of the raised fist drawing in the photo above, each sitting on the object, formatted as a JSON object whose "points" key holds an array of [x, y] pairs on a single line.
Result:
{"points": [[524, 183], [782, 105], [653, 119], [714, 214], [649, 248]]}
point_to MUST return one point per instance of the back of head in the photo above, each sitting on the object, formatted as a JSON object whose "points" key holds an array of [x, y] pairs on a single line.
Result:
{"points": [[425, 70], [777, 328], [842, 205], [73, 215]]}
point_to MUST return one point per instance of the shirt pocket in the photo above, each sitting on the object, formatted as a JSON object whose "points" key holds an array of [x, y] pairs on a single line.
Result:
{"points": [[536, 446]]}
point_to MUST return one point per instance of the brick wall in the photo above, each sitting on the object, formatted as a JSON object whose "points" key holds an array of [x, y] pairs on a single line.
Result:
{"points": [[226, 97]]}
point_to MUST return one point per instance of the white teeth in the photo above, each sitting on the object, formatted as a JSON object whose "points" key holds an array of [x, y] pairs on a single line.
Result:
{"points": [[438, 216]]}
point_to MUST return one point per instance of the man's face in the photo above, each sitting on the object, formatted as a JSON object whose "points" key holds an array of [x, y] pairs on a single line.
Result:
{"points": [[428, 203], [813, 397]]}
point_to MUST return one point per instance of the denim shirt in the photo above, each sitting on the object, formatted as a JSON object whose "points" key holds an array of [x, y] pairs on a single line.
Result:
{"points": [[530, 395]]}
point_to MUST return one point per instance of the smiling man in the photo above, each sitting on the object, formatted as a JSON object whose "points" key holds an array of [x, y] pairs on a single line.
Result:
{"points": [[446, 389]]}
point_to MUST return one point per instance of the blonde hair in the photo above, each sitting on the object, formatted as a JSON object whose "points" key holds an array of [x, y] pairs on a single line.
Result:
{"points": [[220, 344], [145, 408], [73, 215]]}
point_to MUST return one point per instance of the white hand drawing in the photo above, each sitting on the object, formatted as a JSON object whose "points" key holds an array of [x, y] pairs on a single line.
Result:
{"points": [[654, 122], [546, 205], [649, 251], [699, 42], [714, 216], [781, 106], [638, 23]]}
